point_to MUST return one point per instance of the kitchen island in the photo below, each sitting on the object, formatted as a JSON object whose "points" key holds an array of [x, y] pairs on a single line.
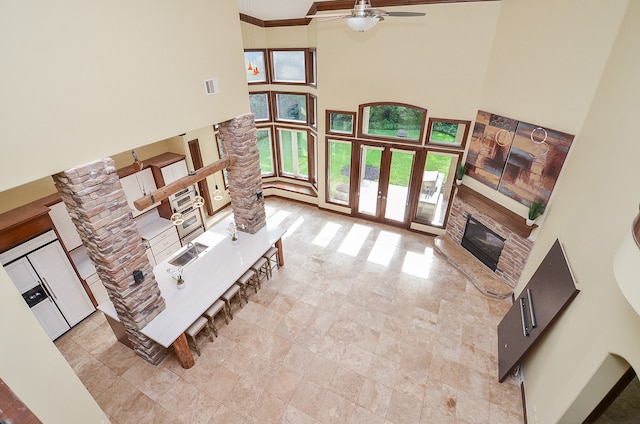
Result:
{"points": [[216, 268]]}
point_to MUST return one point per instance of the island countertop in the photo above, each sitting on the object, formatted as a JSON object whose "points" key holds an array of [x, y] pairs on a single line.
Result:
{"points": [[217, 268]]}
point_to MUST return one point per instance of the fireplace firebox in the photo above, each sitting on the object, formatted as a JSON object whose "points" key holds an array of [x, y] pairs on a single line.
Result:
{"points": [[482, 243]]}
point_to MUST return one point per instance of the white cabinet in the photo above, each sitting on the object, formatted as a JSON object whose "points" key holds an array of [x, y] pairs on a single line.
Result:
{"points": [[65, 226], [44, 276], [97, 288], [163, 245], [138, 185], [175, 171], [62, 282]]}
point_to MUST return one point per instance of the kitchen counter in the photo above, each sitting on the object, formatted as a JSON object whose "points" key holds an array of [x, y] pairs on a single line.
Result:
{"points": [[151, 224], [207, 278], [82, 262]]}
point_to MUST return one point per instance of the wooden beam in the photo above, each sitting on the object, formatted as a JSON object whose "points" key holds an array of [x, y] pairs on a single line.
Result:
{"points": [[184, 182]]}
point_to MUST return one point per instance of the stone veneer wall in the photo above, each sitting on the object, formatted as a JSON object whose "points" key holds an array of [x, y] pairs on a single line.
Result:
{"points": [[516, 248], [98, 208], [245, 178]]}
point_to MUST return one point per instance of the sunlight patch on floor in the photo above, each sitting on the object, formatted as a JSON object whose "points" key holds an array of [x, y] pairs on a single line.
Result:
{"points": [[418, 264], [327, 234], [277, 219], [354, 240], [293, 227], [383, 249]]}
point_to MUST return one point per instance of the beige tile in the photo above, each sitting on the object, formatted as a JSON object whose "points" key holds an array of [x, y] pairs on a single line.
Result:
{"points": [[222, 382], [472, 409], [321, 370], [374, 397], [308, 397], [298, 359], [293, 415], [243, 397], [403, 408], [363, 416], [268, 409], [357, 359], [284, 383], [226, 415], [330, 338], [440, 403], [347, 383], [335, 409], [117, 394]]}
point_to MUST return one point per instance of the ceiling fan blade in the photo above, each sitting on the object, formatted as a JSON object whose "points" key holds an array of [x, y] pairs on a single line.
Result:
{"points": [[405, 14], [329, 15]]}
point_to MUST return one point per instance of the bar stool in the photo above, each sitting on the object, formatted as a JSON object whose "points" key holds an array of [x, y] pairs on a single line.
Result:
{"points": [[233, 291], [211, 313], [248, 279], [262, 270], [195, 329], [273, 256]]}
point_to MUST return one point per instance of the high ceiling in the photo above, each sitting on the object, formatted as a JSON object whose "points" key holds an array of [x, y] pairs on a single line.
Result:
{"points": [[268, 10]]}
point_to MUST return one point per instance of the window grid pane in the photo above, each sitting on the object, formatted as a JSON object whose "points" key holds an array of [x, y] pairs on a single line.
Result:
{"points": [[265, 151], [339, 166]]}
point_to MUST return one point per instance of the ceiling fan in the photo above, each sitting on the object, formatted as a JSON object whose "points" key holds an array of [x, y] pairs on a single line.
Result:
{"points": [[364, 17]]}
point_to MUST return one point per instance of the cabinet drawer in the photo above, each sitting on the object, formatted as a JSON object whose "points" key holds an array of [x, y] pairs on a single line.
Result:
{"points": [[170, 250], [167, 237], [93, 278], [164, 243], [97, 288]]}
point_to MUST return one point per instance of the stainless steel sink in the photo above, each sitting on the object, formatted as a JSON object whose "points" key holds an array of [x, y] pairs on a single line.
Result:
{"points": [[190, 254]]}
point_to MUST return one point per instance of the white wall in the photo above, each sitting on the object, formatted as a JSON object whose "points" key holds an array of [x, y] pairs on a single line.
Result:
{"points": [[592, 213], [83, 80]]}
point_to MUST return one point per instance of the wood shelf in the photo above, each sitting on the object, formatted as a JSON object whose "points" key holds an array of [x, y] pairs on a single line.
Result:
{"points": [[495, 211]]}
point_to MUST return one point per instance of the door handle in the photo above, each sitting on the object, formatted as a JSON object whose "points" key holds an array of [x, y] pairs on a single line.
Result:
{"points": [[48, 289], [523, 315], [531, 312]]}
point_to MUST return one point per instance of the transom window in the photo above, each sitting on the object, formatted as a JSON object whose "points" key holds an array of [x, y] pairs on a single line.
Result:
{"points": [[391, 121]]}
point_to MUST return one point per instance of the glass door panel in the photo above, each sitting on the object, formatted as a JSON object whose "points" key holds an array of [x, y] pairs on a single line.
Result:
{"points": [[435, 190], [397, 198], [369, 182]]}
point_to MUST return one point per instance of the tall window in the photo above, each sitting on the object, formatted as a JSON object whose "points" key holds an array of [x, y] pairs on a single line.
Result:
{"points": [[266, 153], [338, 171], [294, 153]]}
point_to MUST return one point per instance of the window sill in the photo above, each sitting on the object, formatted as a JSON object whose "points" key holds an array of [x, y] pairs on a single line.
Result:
{"points": [[291, 187]]}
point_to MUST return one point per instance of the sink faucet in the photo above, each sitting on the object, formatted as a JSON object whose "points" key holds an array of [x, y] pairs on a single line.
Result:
{"points": [[194, 246]]}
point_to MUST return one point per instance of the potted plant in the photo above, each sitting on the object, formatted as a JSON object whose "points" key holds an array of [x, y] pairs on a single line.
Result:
{"points": [[536, 208], [460, 172], [232, 229], [176, 274]]}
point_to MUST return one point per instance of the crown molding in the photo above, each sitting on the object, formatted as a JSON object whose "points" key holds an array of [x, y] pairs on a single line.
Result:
{"points": [[323, 6]]}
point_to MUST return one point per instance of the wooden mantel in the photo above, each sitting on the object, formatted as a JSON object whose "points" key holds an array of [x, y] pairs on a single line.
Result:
{"points": [[495, 211]]}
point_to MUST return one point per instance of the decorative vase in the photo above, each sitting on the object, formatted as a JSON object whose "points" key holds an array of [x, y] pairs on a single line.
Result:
{"points": [[180, 283], [530, 222], [458, 182], [234, 240]]}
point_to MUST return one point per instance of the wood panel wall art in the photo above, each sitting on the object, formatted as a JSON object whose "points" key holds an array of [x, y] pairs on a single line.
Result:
{"points": [[521, 160]]}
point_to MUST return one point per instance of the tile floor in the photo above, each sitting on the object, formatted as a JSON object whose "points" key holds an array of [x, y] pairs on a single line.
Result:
{"points": [[363, 324]]}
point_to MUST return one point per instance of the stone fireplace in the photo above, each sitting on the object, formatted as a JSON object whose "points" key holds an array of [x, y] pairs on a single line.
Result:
{"points": [[499, 220]]}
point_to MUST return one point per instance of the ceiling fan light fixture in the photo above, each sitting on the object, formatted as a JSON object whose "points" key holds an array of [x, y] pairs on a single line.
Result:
{"points": [[361, 23]]}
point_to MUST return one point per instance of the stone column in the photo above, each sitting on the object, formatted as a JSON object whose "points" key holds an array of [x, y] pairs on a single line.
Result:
{"points": [[245, 179], [98, 208]]}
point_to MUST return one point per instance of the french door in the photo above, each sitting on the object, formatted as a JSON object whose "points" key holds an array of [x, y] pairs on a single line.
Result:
{"points": [[383, 183]]}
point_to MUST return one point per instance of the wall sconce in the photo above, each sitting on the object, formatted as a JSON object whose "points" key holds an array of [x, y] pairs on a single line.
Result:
{"points": [[259, 195]]}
